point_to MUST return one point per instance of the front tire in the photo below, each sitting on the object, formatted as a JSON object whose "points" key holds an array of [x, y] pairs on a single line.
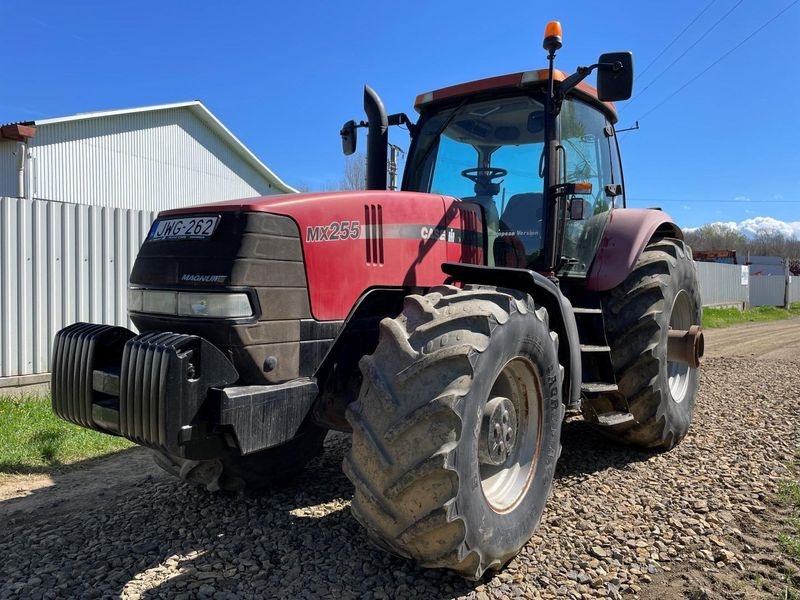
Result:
{"points": [[456, 431], [660, 294]]}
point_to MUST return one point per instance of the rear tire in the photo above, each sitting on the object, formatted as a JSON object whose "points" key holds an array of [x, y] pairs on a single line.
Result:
{"points": [[457, 428], [660, 293], [259, 471]]}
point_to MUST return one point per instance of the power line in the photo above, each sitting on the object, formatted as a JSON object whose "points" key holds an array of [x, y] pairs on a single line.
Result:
{"points": [[753, 203], [684, 53], [720, 59], [675, 39]]}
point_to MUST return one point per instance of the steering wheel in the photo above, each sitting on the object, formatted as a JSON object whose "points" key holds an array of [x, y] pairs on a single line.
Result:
{"points": [[483, 174]]}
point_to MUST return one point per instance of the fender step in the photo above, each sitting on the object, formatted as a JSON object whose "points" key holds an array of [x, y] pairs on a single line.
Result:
{"points": [[592, 348], [612, 419], [598, 388]]}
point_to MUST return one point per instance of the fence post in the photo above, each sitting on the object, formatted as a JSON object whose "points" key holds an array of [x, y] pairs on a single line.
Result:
{"points": [[786, 284]]}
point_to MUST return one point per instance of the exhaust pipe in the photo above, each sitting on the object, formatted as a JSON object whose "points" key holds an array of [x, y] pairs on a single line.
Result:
{"points": [[686, 346], [377, 140]]}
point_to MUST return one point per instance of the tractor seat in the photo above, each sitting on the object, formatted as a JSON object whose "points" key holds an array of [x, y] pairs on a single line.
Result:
{"points": [[520, 230]]}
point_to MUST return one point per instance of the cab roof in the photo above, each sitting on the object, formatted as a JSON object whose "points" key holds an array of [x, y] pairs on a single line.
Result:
{"points": [[514, 80]]}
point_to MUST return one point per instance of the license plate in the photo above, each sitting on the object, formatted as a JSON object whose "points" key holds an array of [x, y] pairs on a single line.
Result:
{"points": [[181, 229]]}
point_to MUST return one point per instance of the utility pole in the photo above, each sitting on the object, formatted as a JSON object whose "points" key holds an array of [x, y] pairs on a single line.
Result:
{"points": [[392, 166]]}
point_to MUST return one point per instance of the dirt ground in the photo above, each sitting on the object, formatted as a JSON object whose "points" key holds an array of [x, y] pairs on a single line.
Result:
{"points": [[776, 340], [29, 501]]}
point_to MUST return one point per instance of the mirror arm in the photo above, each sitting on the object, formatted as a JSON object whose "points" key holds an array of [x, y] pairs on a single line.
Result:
{"points": [[342, 132], [579, 75], [398, 119], [402, 119]]}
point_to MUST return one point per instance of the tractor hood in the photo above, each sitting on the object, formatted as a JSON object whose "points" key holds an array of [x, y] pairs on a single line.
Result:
{"points": [[349, 242]]}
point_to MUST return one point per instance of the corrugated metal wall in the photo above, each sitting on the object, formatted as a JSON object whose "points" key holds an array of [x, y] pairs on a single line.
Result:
{"points": [[794, 288], [767, 290], [9, 169], [61, 263], [148, 160], [721, 285]]}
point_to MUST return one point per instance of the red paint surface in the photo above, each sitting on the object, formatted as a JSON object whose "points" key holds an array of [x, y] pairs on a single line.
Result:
{"points": [[338, 271], [512, 80], [626, 234]]}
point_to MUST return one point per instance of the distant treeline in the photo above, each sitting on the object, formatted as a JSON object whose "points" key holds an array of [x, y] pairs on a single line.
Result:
{"points": [[767, 243]]}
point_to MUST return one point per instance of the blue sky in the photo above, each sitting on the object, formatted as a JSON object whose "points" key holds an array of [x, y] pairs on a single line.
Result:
{"points": [[283, 77]]}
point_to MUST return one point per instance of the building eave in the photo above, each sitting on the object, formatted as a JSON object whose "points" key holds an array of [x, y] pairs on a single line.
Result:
{"points": [[201, 112]]}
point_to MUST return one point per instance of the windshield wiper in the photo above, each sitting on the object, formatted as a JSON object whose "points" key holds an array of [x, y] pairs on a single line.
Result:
{"points": [[439, 132]]}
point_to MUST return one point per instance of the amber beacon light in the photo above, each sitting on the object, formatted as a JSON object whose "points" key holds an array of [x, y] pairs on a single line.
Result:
{"points": [[552, 36]]}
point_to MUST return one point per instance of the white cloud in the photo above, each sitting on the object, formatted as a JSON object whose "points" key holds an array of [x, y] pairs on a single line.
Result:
{"points": [[757, 225], [752, 227], [742, 198], [778, 197]]}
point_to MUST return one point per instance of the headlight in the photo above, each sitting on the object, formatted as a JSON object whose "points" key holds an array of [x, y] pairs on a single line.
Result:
{"points": [[134, 300], [213, 305], [160, 302]]}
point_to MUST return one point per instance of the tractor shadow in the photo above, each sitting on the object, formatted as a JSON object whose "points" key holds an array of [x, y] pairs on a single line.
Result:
{"points": [[303, 542], [586, 451], [299, 542], [157, 537]]}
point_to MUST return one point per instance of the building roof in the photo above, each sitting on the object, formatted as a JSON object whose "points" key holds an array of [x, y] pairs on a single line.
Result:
{"points": [[202, 113]]}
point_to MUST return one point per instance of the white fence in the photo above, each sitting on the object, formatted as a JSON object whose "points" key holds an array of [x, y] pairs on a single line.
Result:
{"points": [[767, 290], [61, 263], [731, 285], [723, 285]]}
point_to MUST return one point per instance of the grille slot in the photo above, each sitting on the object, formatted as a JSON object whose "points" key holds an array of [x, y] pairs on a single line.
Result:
{"points": [[373, 233]]}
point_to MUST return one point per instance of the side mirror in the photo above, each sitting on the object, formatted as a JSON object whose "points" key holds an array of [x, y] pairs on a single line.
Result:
{"points": [[615, 76], [349, 138], [577, 208]]}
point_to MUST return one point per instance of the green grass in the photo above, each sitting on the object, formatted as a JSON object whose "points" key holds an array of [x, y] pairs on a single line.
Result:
{"points": [[34, 440], [789, 493], [725, 317]]}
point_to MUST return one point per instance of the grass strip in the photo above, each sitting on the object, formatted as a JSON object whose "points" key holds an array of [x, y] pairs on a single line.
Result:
{"points": [[725, 317], [789, 494], [34, 440]]}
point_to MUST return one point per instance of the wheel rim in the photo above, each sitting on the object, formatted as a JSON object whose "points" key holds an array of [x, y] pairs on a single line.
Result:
{"points": [[678, 372], [509, 442]]}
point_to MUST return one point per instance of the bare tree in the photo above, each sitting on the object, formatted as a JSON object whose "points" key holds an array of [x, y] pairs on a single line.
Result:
{"points": [[355, 173], [716, 236], [770, 243], [766, 243]]}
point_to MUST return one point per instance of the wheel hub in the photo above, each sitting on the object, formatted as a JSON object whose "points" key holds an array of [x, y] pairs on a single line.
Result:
{"points": [[498, 431]]}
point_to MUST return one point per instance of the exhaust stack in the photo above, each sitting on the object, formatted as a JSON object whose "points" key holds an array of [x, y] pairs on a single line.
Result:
{"points": [[377, 140]]}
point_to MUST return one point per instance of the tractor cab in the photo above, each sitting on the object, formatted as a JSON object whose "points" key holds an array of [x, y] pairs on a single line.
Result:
{"points": [[485, 143], [536, 150]]}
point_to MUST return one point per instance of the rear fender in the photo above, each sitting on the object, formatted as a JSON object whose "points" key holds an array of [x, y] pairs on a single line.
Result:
{"points": [[627, 232], [545, 293]]}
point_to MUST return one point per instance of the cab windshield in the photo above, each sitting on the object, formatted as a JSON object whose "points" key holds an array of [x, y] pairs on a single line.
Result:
{"points": [[491, 152]]}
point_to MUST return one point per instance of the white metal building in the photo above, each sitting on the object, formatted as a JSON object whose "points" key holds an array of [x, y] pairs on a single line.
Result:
{"points": [[77, 196]]}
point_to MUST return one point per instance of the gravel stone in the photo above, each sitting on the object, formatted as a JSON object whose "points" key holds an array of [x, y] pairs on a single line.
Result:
{"points": [[618, 521]]}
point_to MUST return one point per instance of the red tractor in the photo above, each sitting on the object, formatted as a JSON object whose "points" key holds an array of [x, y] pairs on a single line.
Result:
{"points": [[448, 326]]}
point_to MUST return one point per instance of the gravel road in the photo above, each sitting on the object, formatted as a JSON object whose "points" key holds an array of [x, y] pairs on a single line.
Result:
{"points": [[697, 522]]}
